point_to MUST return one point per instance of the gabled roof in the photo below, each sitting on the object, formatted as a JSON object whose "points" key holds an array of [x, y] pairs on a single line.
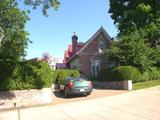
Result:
{"points": [[90, 40]]}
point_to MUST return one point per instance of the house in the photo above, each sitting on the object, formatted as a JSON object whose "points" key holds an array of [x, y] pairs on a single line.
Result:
{"points": [[85, 56], [54, 63]]}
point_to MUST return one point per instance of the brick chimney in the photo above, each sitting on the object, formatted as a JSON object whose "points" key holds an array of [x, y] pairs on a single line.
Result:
{"points": [[74, 43]]}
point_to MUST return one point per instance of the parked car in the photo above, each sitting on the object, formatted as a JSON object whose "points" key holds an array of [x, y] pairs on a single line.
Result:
{"points": [[76, 86]]}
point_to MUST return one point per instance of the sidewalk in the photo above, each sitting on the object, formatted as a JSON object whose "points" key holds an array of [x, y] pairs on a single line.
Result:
{"points": [[135, 105]]}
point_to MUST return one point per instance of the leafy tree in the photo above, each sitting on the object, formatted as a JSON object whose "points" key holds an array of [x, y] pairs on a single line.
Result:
{"points": [[15, 40], [138, 22], [132, 51], [46, 4], [131, 15]]}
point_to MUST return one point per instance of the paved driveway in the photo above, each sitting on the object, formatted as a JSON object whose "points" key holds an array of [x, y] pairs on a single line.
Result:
{"points": [[135, 105], [96, 93]]}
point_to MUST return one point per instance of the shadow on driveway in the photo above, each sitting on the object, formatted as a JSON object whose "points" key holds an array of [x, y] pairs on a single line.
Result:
{"points": [[58, 97]]}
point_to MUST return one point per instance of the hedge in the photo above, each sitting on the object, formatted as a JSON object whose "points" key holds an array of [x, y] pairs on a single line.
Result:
{"points": [[25, 75], [30, 75], [119, 74], [128, 73], [107, 75], [63, 74]]}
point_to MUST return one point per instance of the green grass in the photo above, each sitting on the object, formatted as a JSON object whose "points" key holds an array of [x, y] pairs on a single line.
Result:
{"points": [[147, 84]]}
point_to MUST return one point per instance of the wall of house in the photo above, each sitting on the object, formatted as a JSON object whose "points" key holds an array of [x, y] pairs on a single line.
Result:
{"points": [[91, 54], [74, 64]]}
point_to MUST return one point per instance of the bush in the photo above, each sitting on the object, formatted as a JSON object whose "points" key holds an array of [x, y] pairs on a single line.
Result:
{"points": [[154, 73], [145, 76], [63, 74], [28, 75], [107, 75], [128, 73], [120, 73]]}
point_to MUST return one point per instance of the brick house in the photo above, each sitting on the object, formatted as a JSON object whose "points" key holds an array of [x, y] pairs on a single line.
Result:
{"points": [[85, 56]]}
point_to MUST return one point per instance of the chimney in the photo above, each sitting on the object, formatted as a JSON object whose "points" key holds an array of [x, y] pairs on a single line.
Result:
{"points": [[74, 43]]}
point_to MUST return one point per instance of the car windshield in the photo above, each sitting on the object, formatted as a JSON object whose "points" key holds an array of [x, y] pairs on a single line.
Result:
{"points": [[84, 77], [69, 78], [79, 79]]}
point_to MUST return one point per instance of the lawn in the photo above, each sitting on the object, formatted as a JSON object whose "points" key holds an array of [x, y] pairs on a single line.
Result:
{"points": [[147, 84]]}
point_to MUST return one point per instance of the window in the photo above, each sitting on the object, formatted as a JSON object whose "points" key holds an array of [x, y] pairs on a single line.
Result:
{"points": [[102, 45], [95, 67]]}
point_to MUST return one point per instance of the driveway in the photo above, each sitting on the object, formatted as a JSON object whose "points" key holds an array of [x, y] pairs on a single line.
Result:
{"points": [[134, 105], [96, 93]]}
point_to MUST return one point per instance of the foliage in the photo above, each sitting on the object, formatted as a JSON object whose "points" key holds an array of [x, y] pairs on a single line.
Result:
{"points": [[146, 84], [13, 73], [141, 15], [154, 73], [63, 74], [46, 4], [107, 75], [128, 14], [15, 40], [27, 75], [131, 51], [119, 74], [128, 73], [145, 76]]}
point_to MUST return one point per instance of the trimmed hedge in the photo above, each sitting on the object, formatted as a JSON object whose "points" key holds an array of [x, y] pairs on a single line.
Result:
{"points": [[129, 73], [119, 74]]}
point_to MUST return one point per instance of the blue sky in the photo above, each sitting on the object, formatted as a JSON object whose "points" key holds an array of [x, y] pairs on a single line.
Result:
{"points": [[53, 34]]}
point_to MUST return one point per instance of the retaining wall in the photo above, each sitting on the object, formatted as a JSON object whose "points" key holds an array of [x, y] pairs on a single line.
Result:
{"points": [[25, 98], [122, 85]]}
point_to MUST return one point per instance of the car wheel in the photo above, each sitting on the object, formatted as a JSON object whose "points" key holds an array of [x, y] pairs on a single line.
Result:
{"points": [[88, 93], [66, 92]]}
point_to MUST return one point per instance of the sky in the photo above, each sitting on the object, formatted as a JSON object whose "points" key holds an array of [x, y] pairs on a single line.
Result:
{"points": [[53, 34]]}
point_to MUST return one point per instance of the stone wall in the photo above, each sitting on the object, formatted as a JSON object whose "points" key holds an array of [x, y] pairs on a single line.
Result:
{"points": [[25, 98], [121, 85]]}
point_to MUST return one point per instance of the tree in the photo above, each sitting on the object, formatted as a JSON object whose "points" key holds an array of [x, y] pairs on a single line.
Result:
{"points": [[138, 22], [132, 51], [15, 38], [131, 15], [46, 4]]}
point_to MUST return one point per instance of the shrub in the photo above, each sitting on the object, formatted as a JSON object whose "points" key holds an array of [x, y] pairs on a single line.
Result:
{"points": [[120, 73], [107, 75], [154, 73], [63, 74], [128, 73], [145, 76], [28, 75]]}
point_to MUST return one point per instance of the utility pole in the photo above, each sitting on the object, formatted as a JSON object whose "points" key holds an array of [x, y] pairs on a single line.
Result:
{"points": [[1, 35]]}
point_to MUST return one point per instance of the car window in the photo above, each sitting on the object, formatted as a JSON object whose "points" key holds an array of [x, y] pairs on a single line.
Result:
{"points": [[84, 77], [69, 78], [79, 79]]}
